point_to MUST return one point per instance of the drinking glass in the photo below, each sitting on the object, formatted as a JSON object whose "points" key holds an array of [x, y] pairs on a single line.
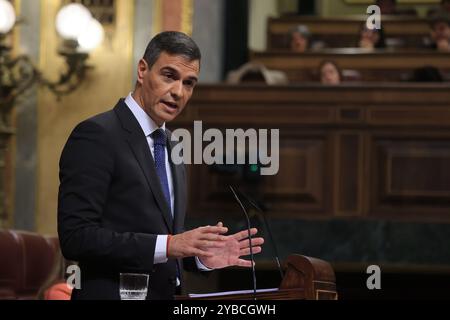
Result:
{"points": [[133, 286]]}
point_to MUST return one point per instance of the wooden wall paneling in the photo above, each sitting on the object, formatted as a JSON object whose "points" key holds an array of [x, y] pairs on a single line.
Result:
{"points": [[345, 151], [300, 187], [410, 175], [349, 162]]}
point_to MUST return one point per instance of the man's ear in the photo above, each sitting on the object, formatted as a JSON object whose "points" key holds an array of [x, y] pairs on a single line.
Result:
{"points": [[141, 70]]}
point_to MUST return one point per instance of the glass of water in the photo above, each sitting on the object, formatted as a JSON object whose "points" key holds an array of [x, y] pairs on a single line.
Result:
{"points": [[133, 286]]}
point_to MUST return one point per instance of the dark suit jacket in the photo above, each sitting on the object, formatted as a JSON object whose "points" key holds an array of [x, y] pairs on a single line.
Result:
{"points": [[111, 206]]}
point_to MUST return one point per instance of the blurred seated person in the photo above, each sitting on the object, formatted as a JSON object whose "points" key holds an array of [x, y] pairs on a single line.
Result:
{"points": [[55, 286], [253, 72], [330, 73], [440, 33], [300, 40], [371, 39], [300, 37], [444, 7], [427, 74]]}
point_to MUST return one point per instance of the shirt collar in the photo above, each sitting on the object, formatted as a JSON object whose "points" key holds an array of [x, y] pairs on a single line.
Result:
{"points": [[145, 121]]}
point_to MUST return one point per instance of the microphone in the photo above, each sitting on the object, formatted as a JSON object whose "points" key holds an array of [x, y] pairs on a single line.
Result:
{"points": [[249, 239], [263, 214]]}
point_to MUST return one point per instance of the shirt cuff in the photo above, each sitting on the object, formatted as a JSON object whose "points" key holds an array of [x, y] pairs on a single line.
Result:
{"points": [[160, 250], [201, 266]]}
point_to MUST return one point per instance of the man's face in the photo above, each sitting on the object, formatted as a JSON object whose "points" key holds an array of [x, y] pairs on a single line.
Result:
{"points": [[166, 88]]}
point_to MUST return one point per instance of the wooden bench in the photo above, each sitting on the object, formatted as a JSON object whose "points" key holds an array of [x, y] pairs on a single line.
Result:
{"points": [[401, 31], [385, 65]]}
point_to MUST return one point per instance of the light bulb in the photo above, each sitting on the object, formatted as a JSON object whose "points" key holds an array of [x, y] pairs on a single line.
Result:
{"points": [[92, 36], [71, 20], [7, 16]]}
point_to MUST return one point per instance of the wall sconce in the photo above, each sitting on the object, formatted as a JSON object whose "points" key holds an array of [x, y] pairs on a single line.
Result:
{"points": [[80, 32]]}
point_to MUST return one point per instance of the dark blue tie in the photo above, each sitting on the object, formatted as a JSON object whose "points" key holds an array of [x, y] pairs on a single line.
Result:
{"points": [[159, 150]]}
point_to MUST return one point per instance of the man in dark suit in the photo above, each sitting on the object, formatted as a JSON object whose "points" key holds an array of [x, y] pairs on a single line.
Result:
{"points": [[122, 201]]}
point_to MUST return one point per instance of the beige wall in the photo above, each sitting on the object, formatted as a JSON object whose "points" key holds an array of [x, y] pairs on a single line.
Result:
{"points": [[260, 11], [109, 80]]}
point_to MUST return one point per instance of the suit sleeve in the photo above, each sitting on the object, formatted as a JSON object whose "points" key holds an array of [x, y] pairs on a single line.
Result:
{"points": [[86, 172]]}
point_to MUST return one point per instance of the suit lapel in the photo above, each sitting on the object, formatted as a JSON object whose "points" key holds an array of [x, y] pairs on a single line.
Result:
{"points": [[139, 145]]}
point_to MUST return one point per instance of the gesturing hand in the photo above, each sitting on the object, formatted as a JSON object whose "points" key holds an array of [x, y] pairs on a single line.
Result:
{"points": [[197, 242], [236, 246]]}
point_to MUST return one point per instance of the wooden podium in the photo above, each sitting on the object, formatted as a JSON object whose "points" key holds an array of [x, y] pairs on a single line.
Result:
{"points": [[305, 278]]}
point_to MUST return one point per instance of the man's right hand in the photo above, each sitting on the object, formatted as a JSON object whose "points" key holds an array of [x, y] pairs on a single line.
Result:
{"points": [[192, 243]]}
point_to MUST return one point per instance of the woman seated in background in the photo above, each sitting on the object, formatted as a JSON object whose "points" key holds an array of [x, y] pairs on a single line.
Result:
{"points": [[330, 73], [371, 39]]}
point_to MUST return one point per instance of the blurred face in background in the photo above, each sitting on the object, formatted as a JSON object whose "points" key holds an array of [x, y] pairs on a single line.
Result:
{"points": [[329, 74], [441, 30], [368, 38], [299, 43]]}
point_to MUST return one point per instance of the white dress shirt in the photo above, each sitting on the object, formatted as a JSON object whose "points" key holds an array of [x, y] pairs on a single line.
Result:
{"points": [[149, 126]]}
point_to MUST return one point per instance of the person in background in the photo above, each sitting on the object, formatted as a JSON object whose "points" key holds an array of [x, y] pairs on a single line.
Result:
{"points": [[371, 39], [254, 72], [440, 33], [300, 38], [330, 73]]}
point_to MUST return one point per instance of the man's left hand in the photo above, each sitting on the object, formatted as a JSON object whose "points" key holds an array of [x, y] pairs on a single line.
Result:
{"points": [[237, 246]]}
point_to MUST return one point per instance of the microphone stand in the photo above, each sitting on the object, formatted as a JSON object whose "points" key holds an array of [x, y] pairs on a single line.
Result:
{"points": [[274, 246], [249, 239]]}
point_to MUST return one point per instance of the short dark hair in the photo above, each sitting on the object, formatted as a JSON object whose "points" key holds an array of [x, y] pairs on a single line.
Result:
{"points": [[173, 43]]}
